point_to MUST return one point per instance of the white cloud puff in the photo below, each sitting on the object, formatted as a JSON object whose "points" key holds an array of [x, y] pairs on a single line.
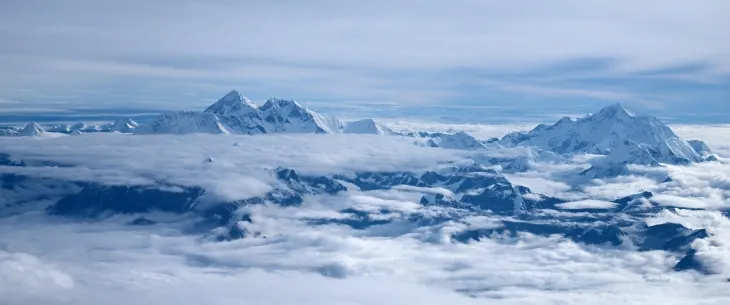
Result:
{"points": [[586, 204]]}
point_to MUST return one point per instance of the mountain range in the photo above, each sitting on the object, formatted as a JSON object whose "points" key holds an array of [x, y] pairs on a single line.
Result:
{"points": [[622, 138], [619, 138]]}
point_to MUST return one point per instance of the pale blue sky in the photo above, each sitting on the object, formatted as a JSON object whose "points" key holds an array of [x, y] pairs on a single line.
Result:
{"points": [[471, 60]]}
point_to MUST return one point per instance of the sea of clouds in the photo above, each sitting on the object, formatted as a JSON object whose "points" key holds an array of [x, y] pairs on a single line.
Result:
{"points": [[53, 260]]}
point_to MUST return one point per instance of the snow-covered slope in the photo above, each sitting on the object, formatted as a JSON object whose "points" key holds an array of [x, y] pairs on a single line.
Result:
{"points": [[63, 128], [31, 129], [125, 125], [183, 122], [289, 116], [367, 126], [700, 147], [607, 130], [459, 140]]}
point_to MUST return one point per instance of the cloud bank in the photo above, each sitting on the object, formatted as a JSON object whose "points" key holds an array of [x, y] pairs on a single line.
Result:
{"points": [[51, 260]]}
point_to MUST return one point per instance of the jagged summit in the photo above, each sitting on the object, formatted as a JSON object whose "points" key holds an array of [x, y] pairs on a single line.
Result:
{"points": [[367, 126], [238, 114], [31, 129], [614, 111], [232, 104]]}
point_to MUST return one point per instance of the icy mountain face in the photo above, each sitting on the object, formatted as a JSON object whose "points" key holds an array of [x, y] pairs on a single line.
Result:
{"points": [[239, 115], [63, 128], [30, 130], [627, 152], [700, 147], [605, 131], [459, 140], [183, 122], [126, 125], [514, 138], [290, 117], [232, 104], [80, 126], [367, 126]]}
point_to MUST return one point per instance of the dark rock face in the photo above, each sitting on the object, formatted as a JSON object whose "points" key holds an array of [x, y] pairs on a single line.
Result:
{"points": [[142, 221], [17, 190], [369, 181], [691, 262], [356, 219], [481, 188], [597, 235], [5, 160], [668, 237], [309, 185], [93, 200], [440, 200]]}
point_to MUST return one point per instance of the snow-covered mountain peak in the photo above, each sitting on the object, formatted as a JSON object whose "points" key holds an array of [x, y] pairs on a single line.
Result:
{"points": [[31, 129], [232, 104], [614, 111], [605, 131], [238, 114], [124, 125], [563, 121], [367, 126]]}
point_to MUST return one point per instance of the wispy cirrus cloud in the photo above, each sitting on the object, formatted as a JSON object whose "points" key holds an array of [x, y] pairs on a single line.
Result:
{"points": [[403, 52]]}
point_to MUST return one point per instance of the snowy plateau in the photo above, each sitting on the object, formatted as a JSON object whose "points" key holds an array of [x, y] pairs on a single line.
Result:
{"points": [[222, 204]]}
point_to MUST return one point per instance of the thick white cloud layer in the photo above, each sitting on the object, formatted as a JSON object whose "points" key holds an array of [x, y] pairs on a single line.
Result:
{"points": [[586, 204], [47, 260], [237, 171]]}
